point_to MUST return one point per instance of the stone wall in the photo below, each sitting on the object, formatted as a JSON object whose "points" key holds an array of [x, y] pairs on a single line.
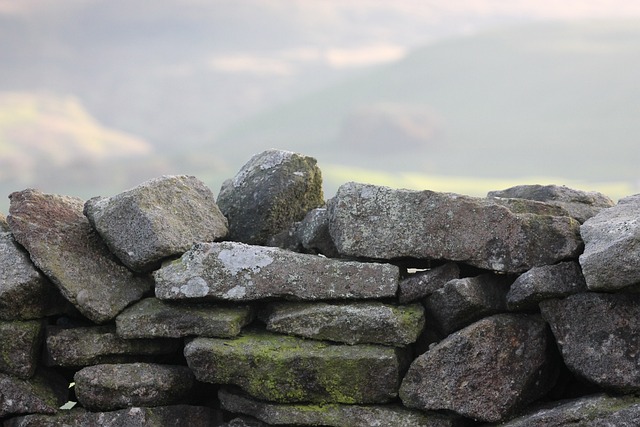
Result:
{"points": [[162, 306]]}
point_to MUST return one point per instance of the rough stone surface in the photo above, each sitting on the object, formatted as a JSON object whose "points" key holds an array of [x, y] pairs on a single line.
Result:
{"points": [[20, 343], [62, 244], [314, 233], [287, 369], [152, 318], [421, 284], [159, 218], [463, 301], [486, 371], [382, 223], [549, 281], [351, 323], [581, 205], [84, 346], [611, 258], [333, 414], [42, 394], [116, 386], [270, 192], [238, 272], [245, 421], [598, 337], [3, 223]]}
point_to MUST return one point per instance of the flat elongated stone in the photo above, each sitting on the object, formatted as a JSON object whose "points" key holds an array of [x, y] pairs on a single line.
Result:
{"points": [[152, 318], [238, 272], [286, 369], [62, 244], [159, 218], [20, 347], [381, 223], [42, 394], [424, 283]]}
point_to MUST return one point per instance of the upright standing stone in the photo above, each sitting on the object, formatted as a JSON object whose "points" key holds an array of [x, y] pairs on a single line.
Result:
{"points": [[62, 244], [157, 219], [270, 192], [20, 344]]}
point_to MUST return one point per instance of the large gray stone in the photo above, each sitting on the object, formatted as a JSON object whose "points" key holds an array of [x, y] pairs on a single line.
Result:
{"points": [[598, 337], [286, 369], [314, 235], [20, 346], [62, 244], [116, 386], [352, 323], [270, 192], [611, 258], [238, 272], [153, 318], [157, 219], [486, 371], [383, 223], [42, 394], [423, 283]]}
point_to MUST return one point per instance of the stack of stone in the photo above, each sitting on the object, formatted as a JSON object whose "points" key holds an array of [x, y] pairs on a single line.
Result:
{"points": [[163, 306]]}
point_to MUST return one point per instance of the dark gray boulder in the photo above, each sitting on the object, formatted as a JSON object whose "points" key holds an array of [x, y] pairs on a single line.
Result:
{"points": [[44, 393], [314, 235], [423, 283], [21, 342]]}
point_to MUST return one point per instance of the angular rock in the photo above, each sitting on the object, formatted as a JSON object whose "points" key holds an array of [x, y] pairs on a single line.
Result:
{"points": [[598, 337], [611, 258], [381, 223], [337, 415], [287, 369], [486, 371], [314, 233], [42, 394], [153, 318], [238, 272], [116, 386], [461, 302], [3, 223], [62, 244], [20, 348], [159, 218], [91, 345], [424, 283], [546, 282], [581, 205], [270, 192], [352, 323]]}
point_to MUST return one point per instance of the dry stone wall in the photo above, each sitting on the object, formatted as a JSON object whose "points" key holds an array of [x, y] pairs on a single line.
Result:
{"points": [[162, 306]]}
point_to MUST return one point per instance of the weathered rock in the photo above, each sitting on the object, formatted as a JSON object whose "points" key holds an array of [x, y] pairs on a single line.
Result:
{"points": [[287, 369], [421, 284], [486, 371], [42, 394], [116, 386], [598, 337], [381, 223], [238, 272], [549, 281], [611, 258], [159, 416], [3, 223], [337, 415], [91, 345], [152, 318], [314, 233], [62, 244], [20, 348], [244, 421], [157, 219], [270, 192], [581, 205], [352, 323], [461, 302]]}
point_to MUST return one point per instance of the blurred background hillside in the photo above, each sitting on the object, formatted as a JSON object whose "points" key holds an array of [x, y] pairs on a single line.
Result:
{"points": [[466, 96]]}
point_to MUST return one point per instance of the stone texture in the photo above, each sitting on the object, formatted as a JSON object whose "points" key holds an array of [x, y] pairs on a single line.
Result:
{"points": [[42, 394], [549, 281], [159, 218], [598, 337], [3, 223], [351, 323], [238, 272], [423, 283], [244, 421], [84, 346], [153, 318], [337, 415], [20, 347], [486, 371], [62, 244], [287, 369], [461, 302], [382, 223], [271, 191], [611, 258], [314, 233], [116, 386], [579, 204]]}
